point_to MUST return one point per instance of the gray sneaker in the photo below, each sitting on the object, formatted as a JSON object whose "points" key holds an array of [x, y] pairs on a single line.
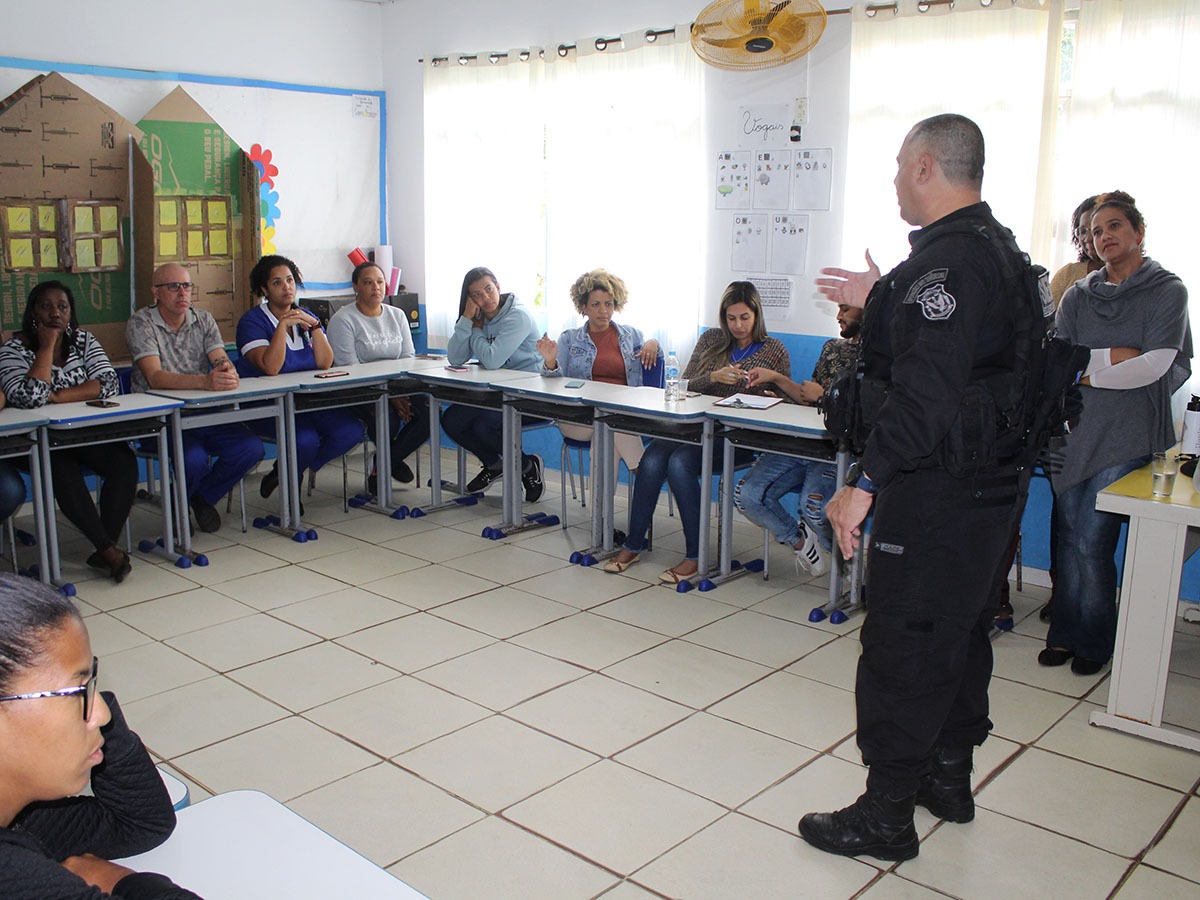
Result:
{"points": [[812, 557]]}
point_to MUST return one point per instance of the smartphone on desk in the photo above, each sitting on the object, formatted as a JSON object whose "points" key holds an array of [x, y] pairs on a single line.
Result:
{"points": [[457, 369], [574, 384], [330, 374], [103, 404]]}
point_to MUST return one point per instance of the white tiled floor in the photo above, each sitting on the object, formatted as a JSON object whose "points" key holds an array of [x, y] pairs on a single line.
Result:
{"points": [[488, 721]]}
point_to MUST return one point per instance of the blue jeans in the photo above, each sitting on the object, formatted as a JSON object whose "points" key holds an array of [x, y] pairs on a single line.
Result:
{"points": [[774, 476], [321, 435], [235, 448], [12, 490], [481, 431], [677, 464], [1084, 618]]}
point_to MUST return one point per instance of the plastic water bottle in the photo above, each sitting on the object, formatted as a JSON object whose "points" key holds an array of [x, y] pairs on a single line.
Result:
{"points": [[671, 373]]}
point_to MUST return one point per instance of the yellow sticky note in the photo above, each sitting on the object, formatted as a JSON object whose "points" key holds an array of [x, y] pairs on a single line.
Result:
{"points": [[47, 218], [218, 242], [18, 218], [85, 254], [218, 213], [168, 245], [22, 253], [108, 218], [195, 243], [195, 212], [110, 253], [168, 212], [84, 220], [49, 253]]}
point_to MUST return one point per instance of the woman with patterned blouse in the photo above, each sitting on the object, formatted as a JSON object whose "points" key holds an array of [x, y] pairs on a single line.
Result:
{"points": [[719, 366], [52, 360]]}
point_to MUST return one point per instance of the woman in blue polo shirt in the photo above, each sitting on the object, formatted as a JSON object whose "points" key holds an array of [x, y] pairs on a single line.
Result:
{"points": [[278, 336]]}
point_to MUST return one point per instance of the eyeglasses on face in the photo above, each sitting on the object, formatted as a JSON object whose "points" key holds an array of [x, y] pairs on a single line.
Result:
{"points": [[88, 689], [176, 287]]}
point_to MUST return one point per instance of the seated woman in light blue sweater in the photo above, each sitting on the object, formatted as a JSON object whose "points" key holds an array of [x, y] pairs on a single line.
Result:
{"points": [[496, 330], [371, 330], [600, 350]]}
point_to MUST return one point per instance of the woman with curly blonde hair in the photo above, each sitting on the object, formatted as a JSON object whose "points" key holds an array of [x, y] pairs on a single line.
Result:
{"points": [[600, 350]]}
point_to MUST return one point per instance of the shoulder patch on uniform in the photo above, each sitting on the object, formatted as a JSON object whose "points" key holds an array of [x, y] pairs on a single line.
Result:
{"points": [[929, 291]]}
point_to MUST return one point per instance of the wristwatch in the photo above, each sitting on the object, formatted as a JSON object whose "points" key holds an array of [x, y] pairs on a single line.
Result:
{"points": [[856, 477]]}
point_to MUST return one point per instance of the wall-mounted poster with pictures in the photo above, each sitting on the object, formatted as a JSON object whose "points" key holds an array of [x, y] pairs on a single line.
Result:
{"points": [[192, 228]]}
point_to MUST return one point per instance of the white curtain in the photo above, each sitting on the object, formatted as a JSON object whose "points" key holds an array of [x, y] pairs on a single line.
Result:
{"points": [[987, 63], [543, 170], [1133, 121]]}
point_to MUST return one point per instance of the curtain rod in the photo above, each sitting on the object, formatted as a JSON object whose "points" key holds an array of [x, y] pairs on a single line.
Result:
{"points": [[651, 35]]}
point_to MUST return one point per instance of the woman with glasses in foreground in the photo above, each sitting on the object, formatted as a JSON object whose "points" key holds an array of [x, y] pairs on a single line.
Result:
{"points": [[57, 735]]}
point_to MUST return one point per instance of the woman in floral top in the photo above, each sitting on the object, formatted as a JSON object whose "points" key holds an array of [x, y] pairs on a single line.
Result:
{"points": [[52, 360]]}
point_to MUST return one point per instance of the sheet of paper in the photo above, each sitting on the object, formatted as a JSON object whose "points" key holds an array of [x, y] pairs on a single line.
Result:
{"points": [[748, 401], [108, 219], [21, 253], [19, 219], [812, 179], [733, 179], [772, 177], [749, 243], [195, 243], [85, 221], [49, 253], [168, 245], [218, 212], [47, 218], [168, 212], [195, 212], [110, 253], [85, 254], [218, 242], [789, 243]]}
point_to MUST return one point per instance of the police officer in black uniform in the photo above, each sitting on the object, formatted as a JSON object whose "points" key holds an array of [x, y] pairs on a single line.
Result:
{"points": [[937, 364]]}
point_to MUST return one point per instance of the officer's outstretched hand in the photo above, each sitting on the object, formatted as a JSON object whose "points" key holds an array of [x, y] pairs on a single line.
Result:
{"points": [[846, 512], [850, 288]]}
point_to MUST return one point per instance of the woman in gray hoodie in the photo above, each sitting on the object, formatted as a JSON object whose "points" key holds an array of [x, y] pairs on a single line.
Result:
{"points": [[1133, 313]]}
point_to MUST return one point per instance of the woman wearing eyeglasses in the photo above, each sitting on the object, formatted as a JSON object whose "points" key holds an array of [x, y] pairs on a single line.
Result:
{"points": [[57, 736], [496, 330], [52, 360]]}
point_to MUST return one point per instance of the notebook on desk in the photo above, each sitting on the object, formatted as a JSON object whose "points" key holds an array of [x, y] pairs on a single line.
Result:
{"points": [[748, 401]]}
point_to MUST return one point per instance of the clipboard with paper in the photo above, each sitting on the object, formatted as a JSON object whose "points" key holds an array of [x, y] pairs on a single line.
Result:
{"points": [[748, 401]]}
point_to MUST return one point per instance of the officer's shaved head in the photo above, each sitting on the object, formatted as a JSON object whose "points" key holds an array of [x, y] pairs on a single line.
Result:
{"points": [[956, 143]]}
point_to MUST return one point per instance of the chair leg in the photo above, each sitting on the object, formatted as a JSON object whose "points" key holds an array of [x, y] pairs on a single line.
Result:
{"points": [[345, 485], [766, 554], [563, 462], [242, 501], [583, 480]]}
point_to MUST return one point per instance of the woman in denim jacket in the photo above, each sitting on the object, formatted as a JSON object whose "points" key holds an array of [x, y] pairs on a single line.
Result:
{"points": [[600, 350]]}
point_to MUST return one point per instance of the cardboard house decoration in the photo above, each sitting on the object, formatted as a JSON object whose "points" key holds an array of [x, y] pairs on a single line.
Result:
{"points": [[65, 204], [196, 203]]}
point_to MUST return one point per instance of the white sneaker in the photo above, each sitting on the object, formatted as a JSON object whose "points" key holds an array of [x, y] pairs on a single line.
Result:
{"points": [[812, 557]]}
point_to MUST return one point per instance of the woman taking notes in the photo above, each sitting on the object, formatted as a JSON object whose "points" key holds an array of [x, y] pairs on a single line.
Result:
{"points": [[719, 366]]}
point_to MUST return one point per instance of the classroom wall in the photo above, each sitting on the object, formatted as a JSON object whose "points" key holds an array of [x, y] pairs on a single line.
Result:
{"points": [[334, 43]]}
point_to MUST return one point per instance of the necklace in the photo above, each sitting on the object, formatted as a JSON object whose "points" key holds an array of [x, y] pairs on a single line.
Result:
{"points": [[736, 355]]}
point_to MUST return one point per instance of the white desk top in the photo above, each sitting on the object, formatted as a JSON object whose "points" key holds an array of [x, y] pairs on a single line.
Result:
{"points": [[247, 389], [129, 406], [13, 419], [785, 417], [243, 844], [475, 376], [649, 401], [378, 371]]}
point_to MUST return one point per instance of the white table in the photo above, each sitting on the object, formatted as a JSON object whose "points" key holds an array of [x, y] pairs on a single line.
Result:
{"points": [[243, 845], [80, 424], [18, 437], [752, 428], [1155, 550]]}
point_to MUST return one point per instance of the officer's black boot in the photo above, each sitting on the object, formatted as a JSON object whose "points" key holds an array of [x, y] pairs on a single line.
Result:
{"points": [[946, 790], [875, 825]]}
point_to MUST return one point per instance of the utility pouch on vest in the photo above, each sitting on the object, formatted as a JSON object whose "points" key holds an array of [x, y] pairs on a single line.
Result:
{"points": [[839, 402], [970, 444]]}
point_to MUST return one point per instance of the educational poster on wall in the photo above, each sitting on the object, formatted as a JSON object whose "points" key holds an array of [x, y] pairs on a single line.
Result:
{"points": [[772, 179], [812, 172], [733, 179], [789, 244], [764, 126], [749, 243]]}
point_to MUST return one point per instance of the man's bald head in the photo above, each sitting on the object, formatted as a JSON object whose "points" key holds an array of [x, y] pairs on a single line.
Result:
{"points": [[956, 144], [171, 284]]}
